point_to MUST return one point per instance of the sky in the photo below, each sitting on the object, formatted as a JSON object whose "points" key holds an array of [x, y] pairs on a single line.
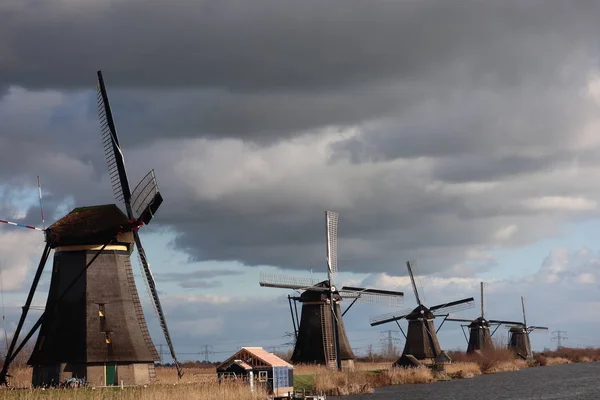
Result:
{"points": [[463, 135]]}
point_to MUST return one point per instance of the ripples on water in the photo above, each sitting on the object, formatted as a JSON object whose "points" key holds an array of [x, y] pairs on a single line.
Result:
{"points": [[567, 381]]}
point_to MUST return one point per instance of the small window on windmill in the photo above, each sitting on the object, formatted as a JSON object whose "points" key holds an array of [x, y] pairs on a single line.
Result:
{"points": [[107, 337], [101, 310]]}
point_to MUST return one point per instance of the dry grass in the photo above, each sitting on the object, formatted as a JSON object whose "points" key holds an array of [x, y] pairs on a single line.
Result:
{"points": [[168, 375], [403, 376], [462, 370], [340, 383], [574, 354], [489, 361], [209, 391], [365, 378], [197, 383], [201, 383]]}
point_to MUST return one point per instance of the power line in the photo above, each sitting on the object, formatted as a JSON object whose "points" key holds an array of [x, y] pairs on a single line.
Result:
{"points": [[559, 336]]}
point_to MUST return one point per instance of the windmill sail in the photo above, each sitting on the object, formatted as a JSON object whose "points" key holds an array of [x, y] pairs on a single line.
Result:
{"points": [[146, 198], [289, 282], [120, 184], [372, 296], [412, 281], [454, 306], [331, 226], [389, 317], [112, 148]]}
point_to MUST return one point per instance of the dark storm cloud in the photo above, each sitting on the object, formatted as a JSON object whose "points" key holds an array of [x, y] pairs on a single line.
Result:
{"points": [[272, 45], [268, 70], [464, 91]]}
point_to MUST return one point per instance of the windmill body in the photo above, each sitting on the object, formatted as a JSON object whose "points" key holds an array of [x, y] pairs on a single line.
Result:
{"points": [[97, 330], [315, 327], [422, 346], [421, 340], [480, 337], [519, 342], [93, 326], [518, 336], [321, 336]]}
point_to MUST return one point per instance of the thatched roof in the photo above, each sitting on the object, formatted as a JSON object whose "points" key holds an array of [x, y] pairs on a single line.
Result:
{"points": [[88, 225]]}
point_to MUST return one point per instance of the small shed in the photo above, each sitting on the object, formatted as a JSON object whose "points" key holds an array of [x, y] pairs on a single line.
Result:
{"points": [[259, 367]]}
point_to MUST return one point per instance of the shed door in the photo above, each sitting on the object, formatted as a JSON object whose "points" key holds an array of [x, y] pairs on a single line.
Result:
{"points": [[111, 374]]}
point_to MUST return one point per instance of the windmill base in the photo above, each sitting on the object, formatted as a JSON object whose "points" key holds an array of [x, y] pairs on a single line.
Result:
{"points": [[408, 360], [97, 374]]}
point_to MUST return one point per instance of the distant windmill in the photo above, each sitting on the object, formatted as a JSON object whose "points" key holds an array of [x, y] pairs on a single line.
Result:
{"points": [[518, 339], [320, 334], [93, 325], [421, 338], [480, 337]]}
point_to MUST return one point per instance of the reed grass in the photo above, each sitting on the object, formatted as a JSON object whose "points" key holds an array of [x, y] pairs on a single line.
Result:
{"points": [[209, 391], [201, 382], [197, 383]]}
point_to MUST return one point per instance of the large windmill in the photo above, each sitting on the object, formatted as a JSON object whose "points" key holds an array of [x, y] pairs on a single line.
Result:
{"points": [[320, 334], [518, 333], [421, 338], [93, 326], [480, 337]]}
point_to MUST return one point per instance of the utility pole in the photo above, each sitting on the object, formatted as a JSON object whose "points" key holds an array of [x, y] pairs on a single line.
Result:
{"points": [[207, 352], [559, 336], [160, 353], [387, 342]]}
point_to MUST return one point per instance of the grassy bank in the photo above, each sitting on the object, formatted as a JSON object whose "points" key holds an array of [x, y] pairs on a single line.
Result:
{"points": [[201, 383], [368, 376], [197, 383]]}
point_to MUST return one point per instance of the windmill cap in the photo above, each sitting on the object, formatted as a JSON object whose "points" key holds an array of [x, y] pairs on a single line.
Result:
{"points": [[90, 225]]}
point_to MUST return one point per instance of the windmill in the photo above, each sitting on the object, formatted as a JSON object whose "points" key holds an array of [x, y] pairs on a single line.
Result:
{"points": [[518, 333], [93, 325], [480, 337], [421, 338], [320, 334]]}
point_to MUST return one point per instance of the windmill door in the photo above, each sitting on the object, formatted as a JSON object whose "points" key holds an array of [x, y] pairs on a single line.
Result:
{"points": [[110, 374]]}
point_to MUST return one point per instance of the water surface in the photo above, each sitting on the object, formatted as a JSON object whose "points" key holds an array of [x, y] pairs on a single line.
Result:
{"points": [[567, 381]]}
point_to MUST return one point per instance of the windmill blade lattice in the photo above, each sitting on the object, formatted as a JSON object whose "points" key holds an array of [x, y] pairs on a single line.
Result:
{"points": [[145, 198], [454, 306], [388, 317], [372, 296], [459, 320], [112, 149], [331, 220], [507, 323], [543, 328], [287, 281]]}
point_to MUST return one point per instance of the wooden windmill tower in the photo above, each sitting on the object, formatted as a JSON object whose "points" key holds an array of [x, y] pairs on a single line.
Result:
{"points": [[422, 344], [518, 339], [480, 337], [93, 326], [320, 335]]}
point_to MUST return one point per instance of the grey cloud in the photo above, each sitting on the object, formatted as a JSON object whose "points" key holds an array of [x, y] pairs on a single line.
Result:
{"points": [[199, 284], [466, 91], [196, 279], [198, 274], [270, 45]]}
